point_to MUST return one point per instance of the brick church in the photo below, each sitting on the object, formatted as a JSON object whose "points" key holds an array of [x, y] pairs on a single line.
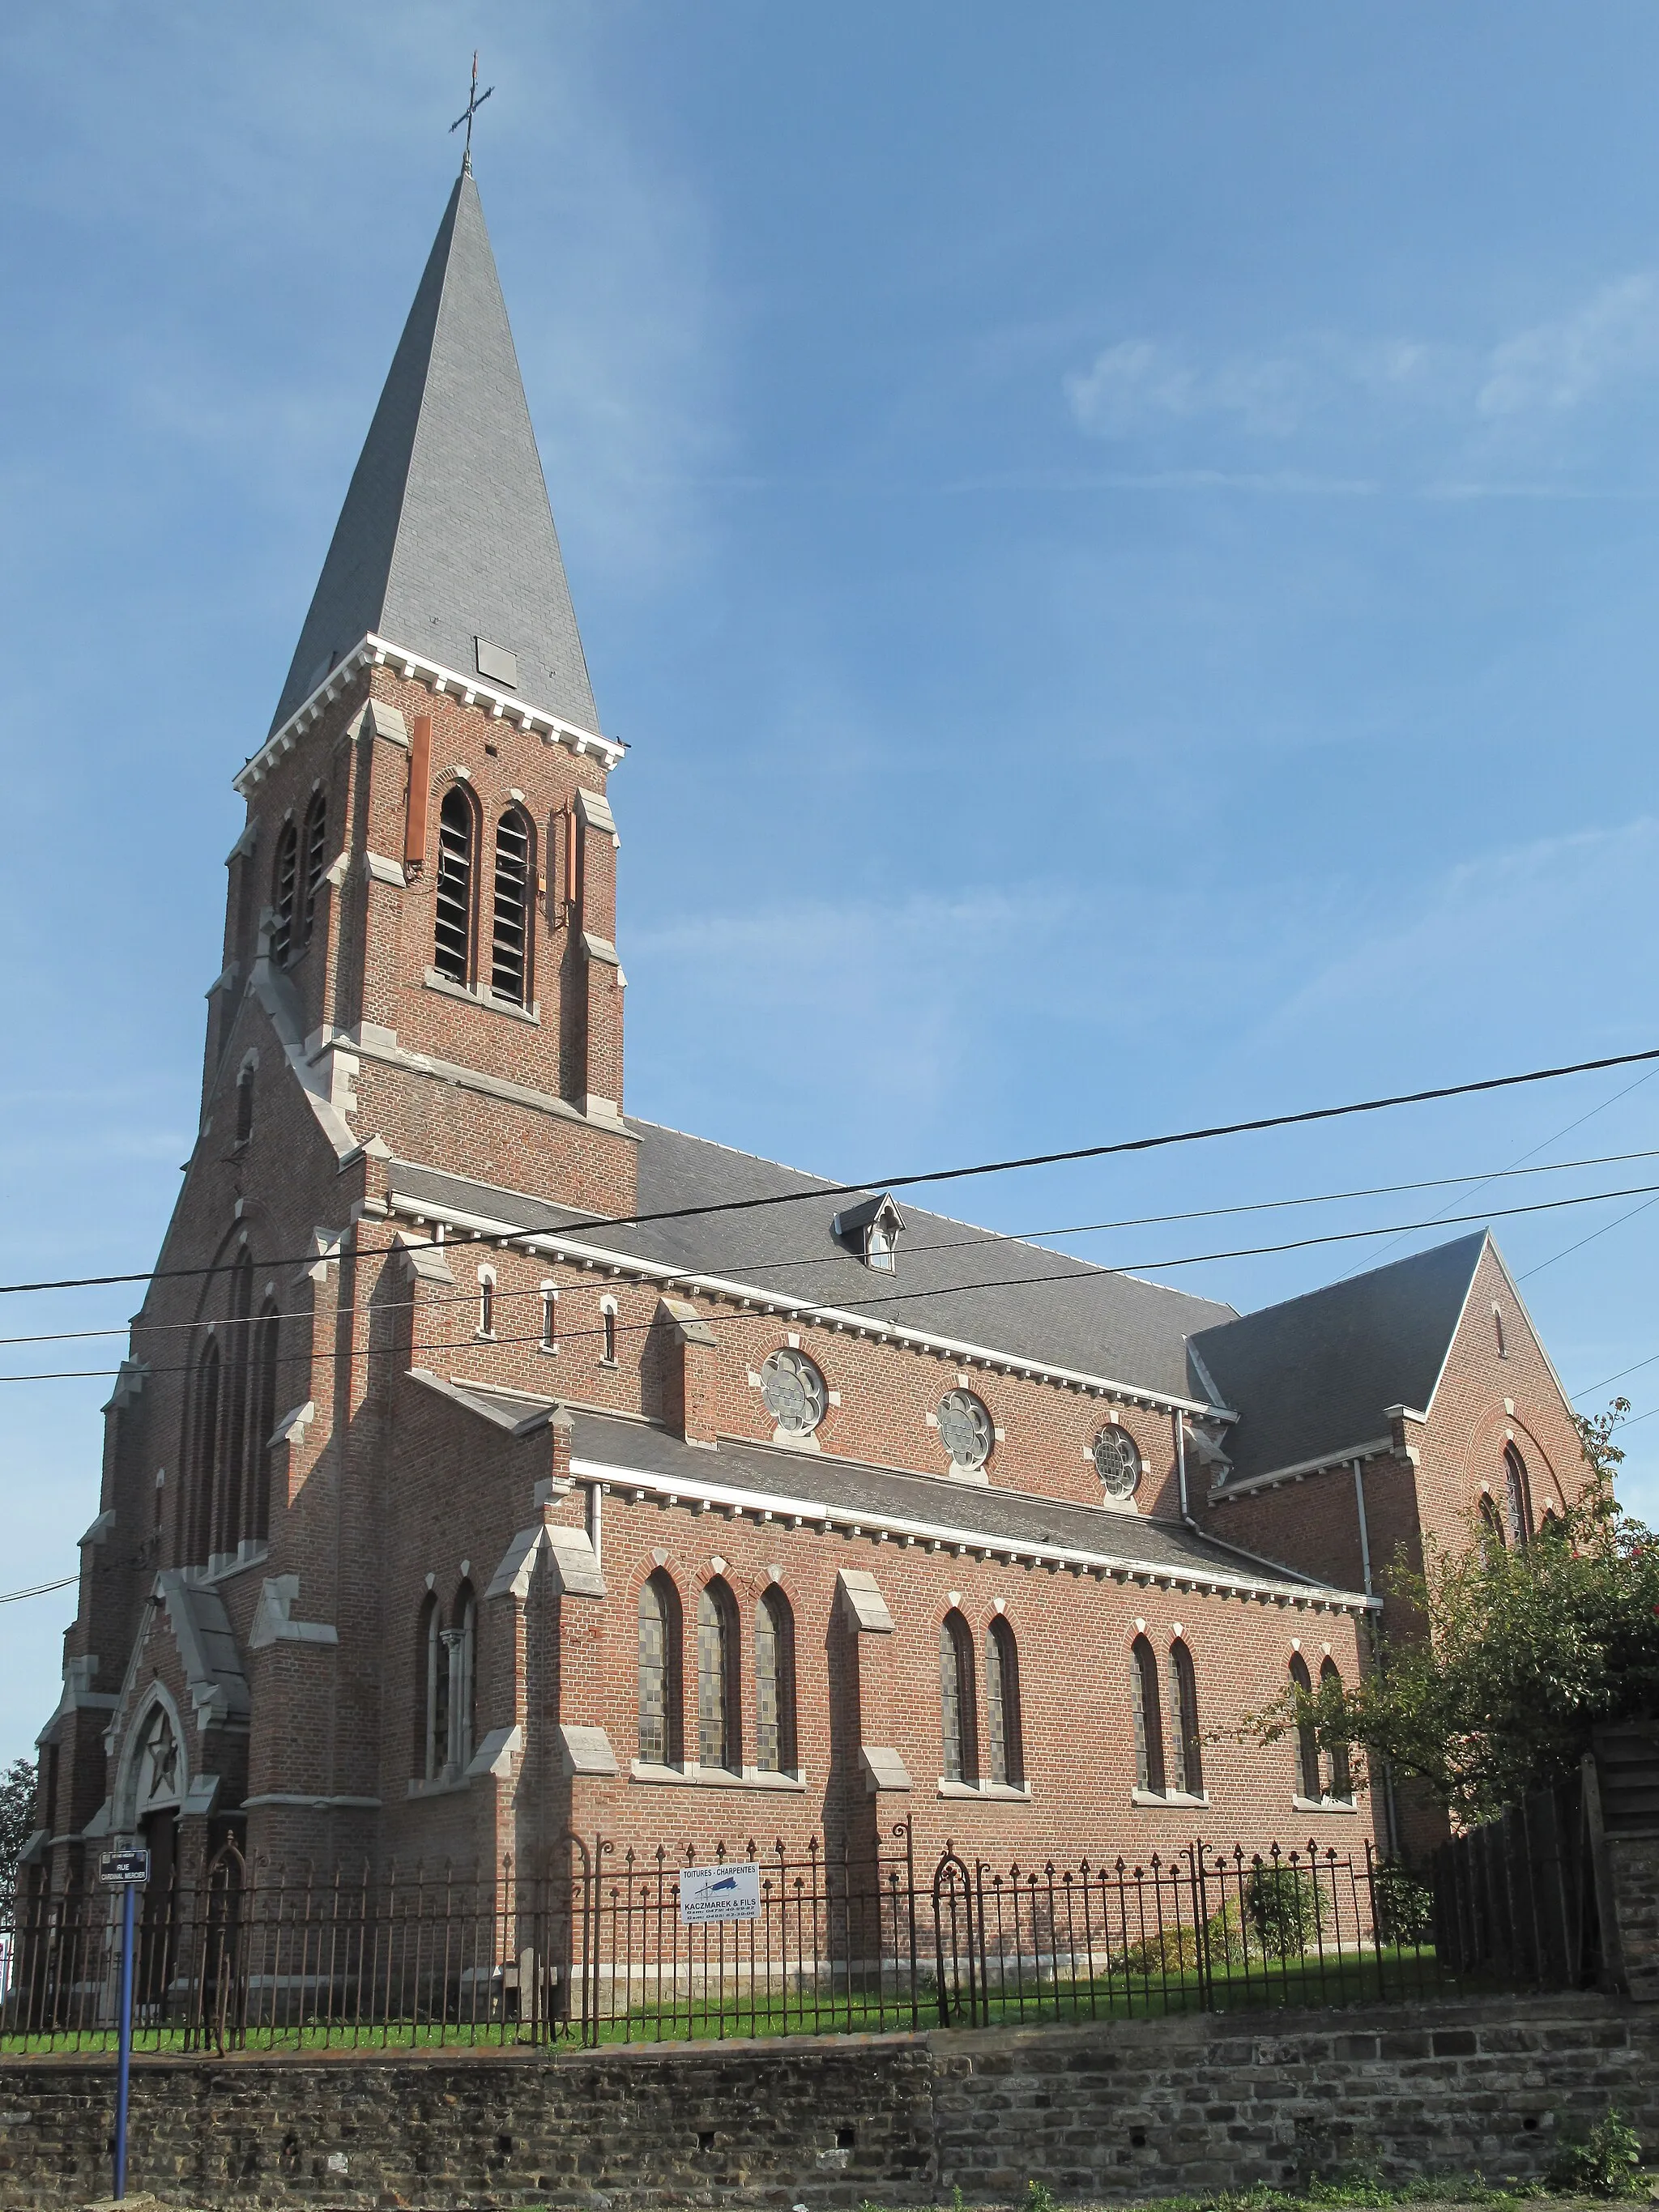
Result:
{"points": [[491, 1463]]}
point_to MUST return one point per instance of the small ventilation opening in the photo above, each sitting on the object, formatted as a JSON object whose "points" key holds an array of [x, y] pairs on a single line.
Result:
{"points": [[847, 2138], [705, 2139]]}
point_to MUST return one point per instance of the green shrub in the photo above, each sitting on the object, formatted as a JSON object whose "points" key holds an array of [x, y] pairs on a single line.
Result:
{"points": [[1601, 2162], [1404, 1904], [1038, 2197], [1284, 1908]]}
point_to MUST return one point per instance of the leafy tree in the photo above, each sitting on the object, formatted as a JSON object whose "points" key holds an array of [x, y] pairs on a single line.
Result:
{"points": [[16, 1821], [1515, 1657]]}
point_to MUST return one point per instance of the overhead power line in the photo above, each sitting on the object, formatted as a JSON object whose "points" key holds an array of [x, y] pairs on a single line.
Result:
{"points": [[820, 1191], [38, 1589], [883, 1299], [979, 1240]]}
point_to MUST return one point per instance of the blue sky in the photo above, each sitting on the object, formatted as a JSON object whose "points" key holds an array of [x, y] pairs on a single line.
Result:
{"points": [[1124, 542]]}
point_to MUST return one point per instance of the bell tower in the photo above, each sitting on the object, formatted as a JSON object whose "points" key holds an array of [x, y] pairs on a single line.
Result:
{"points": [[425, 896]]}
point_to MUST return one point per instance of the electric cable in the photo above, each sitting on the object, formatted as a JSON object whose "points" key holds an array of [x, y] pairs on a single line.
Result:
{"points": [[38, 1589], [1516, 1164], [461, 1240], [880, 1299], [875, 1183]]}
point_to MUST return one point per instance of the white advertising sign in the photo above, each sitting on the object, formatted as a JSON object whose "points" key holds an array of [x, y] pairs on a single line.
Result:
{"points": [[719, 1892]]}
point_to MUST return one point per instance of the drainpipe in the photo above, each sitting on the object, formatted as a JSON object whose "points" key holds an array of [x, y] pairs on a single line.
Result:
{"points": [[1365, 1532], [1390, 1812]]}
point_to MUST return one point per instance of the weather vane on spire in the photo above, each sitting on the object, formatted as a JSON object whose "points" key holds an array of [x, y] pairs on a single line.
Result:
{"points": [[474, 101]]}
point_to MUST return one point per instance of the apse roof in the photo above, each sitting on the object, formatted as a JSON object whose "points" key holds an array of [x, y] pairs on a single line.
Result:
{"points": [[446, 536], [1311, 1377]]}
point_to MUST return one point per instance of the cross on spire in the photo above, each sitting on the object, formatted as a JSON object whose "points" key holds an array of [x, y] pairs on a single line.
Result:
{"points": [[474, 101]]}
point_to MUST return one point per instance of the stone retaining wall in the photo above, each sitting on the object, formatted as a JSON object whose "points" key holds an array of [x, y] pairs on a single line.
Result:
{"points": [[1123, 2109]]}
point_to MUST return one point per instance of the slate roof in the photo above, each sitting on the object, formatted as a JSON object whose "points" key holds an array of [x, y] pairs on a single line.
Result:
{"points": [[1313, 1376], [786, 1481], [952, 1280], [445, 535]]}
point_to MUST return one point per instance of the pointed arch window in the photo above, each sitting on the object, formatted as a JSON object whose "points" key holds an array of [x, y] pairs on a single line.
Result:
{"points": [[204, 1453], [452, 951], [1183, 1715], [1337, 1777], [459, 1642], [1307, 1783], [314, 855], [264, 1417], [608, 1327], [509, 966], [426, 1629], [959, 1722], [1148, 1718], [719, 1733], [775, 1684], [245, 1104], [233, 1454], [486, 1301], [284, 885], [1517, 1498], [1492, 1536], [1002, 1717], [549, 1338], [660, 1671]]}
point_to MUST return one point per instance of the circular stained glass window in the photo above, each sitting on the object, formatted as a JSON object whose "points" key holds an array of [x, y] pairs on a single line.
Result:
{"points": [[966, 1428], [1117, 1462], [795, 1392]]}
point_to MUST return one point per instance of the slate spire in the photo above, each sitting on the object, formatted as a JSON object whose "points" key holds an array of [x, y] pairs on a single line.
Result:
{"points": [[446, 535]]}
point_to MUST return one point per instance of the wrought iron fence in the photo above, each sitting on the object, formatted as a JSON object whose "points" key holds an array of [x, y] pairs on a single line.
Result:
{"points": [[606, 1944]]}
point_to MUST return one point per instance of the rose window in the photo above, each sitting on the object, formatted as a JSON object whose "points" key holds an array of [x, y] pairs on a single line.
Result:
{"points": [[1117, 1462], [965, 1427], [795, 1392]]}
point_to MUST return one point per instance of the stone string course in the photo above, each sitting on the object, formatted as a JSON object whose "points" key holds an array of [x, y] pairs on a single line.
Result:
{"points": [[1125, 2110]]}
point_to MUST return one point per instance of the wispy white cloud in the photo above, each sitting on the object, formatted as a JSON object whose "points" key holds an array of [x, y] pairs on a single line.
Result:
{"points": [[1137, 380], [1522, 930], [1562, 365], [1513, 387]]}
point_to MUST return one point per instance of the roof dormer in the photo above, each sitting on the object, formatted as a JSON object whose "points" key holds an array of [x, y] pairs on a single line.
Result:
{"points": [[871, 1229]]}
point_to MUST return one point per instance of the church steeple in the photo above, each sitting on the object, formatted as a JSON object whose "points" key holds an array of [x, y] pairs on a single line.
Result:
{"points": [[446, 538]]}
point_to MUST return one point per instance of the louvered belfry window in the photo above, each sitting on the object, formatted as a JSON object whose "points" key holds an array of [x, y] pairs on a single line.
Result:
{"points": [[453, 947], [316, 860], [509, 967], [282, 887]]}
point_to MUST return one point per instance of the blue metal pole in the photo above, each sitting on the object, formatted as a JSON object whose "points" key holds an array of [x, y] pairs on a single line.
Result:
{"points": [[125, 2031]]}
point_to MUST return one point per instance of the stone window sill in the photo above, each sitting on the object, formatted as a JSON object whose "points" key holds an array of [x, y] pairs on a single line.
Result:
{"points": [[692, 1776], [487, 999], [1324, 1804], [1168, 1797], [223, 1564], [442, 1785], [1002, 1793], [613, 1363], [548, 1350]]}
